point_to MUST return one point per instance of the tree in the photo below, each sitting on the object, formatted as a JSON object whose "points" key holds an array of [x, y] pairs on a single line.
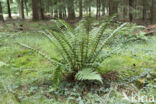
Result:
{"points": [[125, 9], [144, 4], [130, 10], [80, 9], [103, 7], [113, 7], [9, 10], [1, 12], [42, 9], [21, 8], [153, 12], [26, 6], [60, 7], [71, 11], [98, 8], [35, 9]]}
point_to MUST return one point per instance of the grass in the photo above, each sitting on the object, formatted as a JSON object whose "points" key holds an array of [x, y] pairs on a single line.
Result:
{"points": [[26, 76]]}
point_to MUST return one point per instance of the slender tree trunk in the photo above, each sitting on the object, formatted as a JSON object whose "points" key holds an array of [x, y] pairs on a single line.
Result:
{"points": [[60, 9], [35, 9], [52, 13], [80, 9], [97, 9], [21, 9], [71, 11], [1, 12], [60, 13], [41, 10], [64, 13], [130, 10], [55, 13], [134, 6], [153, 12], [125, 10], [144, 11], [113, 7], [90, 11], [103, 7], [26, 7], [9, 10]]}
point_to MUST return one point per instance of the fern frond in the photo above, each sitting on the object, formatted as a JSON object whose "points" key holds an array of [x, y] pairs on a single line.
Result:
{"points": [[111, 35], [88, 74], [106, 40], [64, 48], [57, 76], [52, 60], [68, 27], [49, 37]]}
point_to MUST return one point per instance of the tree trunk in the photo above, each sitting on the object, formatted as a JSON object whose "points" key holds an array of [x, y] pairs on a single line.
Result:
{"points": [[103, 7], [153, 12], [60, 9], [26, 7], [21, 9], [52, 13], [1, 12], [35, 10], [125, 9], [55, 13], [97, 8], [41, 10], [80, 9], [60, 13], [71, 11], [113, 7], [9, 10], [144, 10], [130, 10], [64, 13], [124, 12], [90, 11]]}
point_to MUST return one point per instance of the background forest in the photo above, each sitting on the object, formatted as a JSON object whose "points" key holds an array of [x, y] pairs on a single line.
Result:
{"points": [[126, 10], [77, 51]]}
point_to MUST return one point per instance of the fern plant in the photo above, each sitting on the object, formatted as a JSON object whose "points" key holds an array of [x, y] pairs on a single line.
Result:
{"points": [[80, 49]]}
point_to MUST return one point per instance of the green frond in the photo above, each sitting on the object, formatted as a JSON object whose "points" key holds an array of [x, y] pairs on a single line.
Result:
{"points": [[63, 46], [52, 60], [57, 76], [111, 35], [49, 37], [106, 40], [88, 74], [68, 27]]}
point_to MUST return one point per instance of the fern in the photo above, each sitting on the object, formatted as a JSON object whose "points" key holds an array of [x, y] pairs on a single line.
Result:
{"points": [[79, 49], [88, 74]]}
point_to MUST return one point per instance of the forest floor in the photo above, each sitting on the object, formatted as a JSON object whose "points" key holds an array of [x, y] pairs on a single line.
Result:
{"points": [[26, 77]]}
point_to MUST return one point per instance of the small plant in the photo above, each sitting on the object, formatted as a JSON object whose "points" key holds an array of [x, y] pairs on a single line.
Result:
{"points": [[80, 50]]}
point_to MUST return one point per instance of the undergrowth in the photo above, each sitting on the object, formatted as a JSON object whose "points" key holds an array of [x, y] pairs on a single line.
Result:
{"points": [[27, 78]]}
